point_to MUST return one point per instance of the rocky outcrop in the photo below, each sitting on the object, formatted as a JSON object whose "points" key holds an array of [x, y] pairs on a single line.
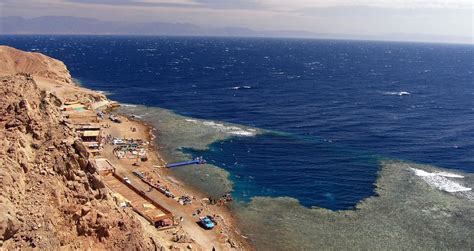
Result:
{"points": [[49, 72], [50, 197], [13, 60]]}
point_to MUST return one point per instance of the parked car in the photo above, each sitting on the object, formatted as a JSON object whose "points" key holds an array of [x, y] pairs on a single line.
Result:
{"points": [[118, 142], [207, 222], [114, 118]]}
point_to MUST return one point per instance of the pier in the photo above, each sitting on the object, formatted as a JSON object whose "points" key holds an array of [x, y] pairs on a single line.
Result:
{"points": [[195, 161]]}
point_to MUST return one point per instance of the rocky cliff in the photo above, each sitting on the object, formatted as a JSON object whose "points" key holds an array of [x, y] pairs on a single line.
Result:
{"points": [[50, 195], [13, 60]]}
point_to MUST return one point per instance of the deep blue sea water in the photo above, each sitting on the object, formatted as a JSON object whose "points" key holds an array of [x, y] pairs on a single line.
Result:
{"points": [[334, 106]]}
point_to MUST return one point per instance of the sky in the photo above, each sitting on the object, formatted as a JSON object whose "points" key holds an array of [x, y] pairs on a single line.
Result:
{"points": [[453, 18]]}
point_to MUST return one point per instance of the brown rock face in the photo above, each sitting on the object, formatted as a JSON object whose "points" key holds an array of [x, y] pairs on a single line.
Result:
{"points": [[48, 72], [49, 197], [13, 60]]}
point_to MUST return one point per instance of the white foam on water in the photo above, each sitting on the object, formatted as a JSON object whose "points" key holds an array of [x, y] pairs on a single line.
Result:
{"points": [[234, 130], [440, 180], [103, 92], [128, 105], [240, 87], [242, 133], [400, 93]]}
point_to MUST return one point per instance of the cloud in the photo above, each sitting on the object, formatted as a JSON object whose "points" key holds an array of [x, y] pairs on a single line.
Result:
{"points": [[131, 3], [235, 4], [303, 7], [366, 11], [185, 4], [362, 17], [285, 5]]}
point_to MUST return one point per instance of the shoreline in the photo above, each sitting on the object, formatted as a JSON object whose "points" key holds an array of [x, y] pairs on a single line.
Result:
{"points": [[151, 136], [228, 223], [63, 190], [79, 107], [228, 218]]}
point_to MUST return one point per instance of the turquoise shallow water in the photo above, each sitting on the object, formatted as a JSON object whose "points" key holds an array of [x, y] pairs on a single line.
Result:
{"points": [[336, 105], [307, 120]]}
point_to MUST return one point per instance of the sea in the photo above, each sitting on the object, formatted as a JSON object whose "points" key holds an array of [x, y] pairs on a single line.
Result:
{"points": [[301, 119]]}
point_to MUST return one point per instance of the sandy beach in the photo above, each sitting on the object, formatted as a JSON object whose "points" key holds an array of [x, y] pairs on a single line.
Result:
{"points": [[93, 125], [224, 237], [82, 172]]}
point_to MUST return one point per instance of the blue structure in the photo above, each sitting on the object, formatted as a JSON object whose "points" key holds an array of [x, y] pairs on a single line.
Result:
{"points": [[207, 222], [198, 160]]}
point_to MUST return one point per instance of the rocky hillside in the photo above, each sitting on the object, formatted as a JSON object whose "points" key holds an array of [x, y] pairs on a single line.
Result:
{"points": [[37, 64], [49, 74], [50, 195]]}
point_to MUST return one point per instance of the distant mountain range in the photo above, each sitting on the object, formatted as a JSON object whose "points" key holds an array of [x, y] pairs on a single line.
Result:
{"points": [[78, 25], [89, 26]]}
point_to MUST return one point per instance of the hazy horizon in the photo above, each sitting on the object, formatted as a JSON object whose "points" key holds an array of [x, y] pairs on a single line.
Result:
{"points": [[394, 20]]}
